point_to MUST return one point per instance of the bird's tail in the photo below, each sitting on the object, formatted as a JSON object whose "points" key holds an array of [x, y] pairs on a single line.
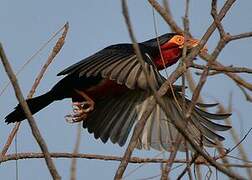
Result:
{"points": [[35, 105]]}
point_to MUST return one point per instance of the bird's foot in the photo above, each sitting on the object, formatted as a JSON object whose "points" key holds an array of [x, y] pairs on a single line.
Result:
{"points": [[80, 111], [85, 106]]}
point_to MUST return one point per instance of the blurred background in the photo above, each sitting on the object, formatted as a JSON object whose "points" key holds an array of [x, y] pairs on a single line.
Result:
{"points": [[94, 24]]}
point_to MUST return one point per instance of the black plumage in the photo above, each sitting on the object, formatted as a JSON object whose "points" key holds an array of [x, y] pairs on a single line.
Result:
{"points": [[115, 114]]}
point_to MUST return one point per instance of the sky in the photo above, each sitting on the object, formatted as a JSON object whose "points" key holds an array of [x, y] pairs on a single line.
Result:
{"points": [[95, 24]]}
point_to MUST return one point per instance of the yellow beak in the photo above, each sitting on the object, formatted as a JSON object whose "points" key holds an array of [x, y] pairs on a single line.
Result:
{"points": [[191, 43]]}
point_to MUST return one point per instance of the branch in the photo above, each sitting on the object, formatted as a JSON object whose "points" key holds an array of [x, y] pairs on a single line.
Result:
{"points": [[141, 123], [75, 151], [56, 48], [178, 125], [194, 52], [247, 96], [221, 44], [32, 123], [233, 76], [59, 44], [167, 16], [134, 160], [179, 138], [236, 139], [216, 19], [188, 165], [241, 36], [32, 57], [223, 69], [205, 56]]}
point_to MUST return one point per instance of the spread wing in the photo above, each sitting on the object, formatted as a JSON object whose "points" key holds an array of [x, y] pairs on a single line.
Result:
{"points": [[118, 63], [114, 118], [159, 132]]}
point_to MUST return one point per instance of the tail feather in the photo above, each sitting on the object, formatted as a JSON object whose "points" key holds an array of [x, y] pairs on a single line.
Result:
{"points": [[35, 105]]}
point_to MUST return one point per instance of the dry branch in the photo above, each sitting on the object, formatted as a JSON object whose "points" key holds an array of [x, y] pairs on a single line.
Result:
{"points": [[135, 160], [222, 69], [31, 121], [179, 138], [73, 169], [163, 91], [35, 130], [216, 66], [56, 49], [236, 139]]}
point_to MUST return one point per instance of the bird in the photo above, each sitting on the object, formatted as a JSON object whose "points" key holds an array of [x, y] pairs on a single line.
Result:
{"points": [[110, 93]]}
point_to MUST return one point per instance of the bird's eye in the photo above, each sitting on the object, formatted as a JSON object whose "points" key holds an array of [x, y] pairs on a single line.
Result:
{"points": [[180, 40]]}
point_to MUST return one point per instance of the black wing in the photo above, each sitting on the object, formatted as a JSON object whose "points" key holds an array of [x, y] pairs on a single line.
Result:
{"points": [[114, 118], [119, 63]]}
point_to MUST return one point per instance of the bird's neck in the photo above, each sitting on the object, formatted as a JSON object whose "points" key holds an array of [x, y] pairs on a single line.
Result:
{"points": [[169, 57]]}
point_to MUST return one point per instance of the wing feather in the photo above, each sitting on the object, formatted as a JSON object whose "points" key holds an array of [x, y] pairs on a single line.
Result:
{"points": [[119, 63]]}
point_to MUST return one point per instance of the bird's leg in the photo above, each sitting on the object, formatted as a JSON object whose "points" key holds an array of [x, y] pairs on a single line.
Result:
{"points": [[87, 105], [80, 109]]}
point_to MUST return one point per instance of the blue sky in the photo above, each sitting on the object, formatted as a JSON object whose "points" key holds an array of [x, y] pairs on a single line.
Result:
{"points": [[26, 25]]}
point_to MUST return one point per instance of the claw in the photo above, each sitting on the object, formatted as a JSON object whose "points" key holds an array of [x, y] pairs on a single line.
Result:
{"points": [[69, 119], [74, 118], [85, 106], [80, 111]]}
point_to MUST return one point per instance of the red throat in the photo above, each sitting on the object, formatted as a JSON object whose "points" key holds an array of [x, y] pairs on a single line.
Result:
{"points": [[170, 57]]}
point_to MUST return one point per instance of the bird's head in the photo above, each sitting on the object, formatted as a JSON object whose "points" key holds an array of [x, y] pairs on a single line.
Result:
{"points": [[178, 41], [172, 45]]}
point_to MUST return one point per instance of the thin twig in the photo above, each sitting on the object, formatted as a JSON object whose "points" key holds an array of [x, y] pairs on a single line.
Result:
{"points": [[197, 172], [166, 15], [216, 19], [141, 123], [173, 154], [140, 166], [204, 55], [233, 76], [247, 96], [32, 57], [188, 166], [75, 151], [179, 138], [241, 36], [55, 51], [237, 141], [135, 160], [196, 50], [59, 44], [223, 69], [192, 161], [31, 121], [177, 124]]}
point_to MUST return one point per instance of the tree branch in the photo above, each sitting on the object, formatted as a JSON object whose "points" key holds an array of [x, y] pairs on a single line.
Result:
{"points": [[135, 160], [56, 49], [32, 123]]}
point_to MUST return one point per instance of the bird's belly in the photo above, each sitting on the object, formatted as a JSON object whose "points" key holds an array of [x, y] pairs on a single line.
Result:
{"points": [[105, 88]]}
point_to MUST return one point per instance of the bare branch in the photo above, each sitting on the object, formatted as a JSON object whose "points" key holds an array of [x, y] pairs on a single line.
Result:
{"points": [[222, 69], [32, 123], [216, 19], [56, 48], [247, 96], [233, 76], [54, 52], [189, 164], [241, 36], [179, 138], [135, 160], [236, 140], [32, 57], [75, 151], [167, 16]]}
